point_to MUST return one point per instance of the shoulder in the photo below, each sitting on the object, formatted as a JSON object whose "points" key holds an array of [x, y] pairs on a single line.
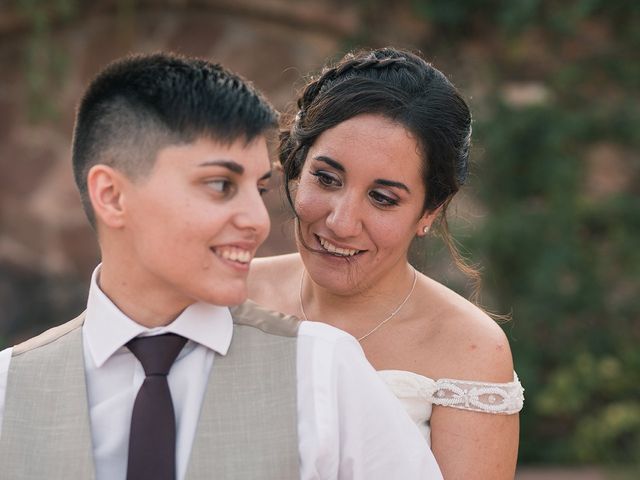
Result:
{"points": [[464, 342], [5, 360], [264, 267], [263, 287], [49, 337], [268, 321], [323, 344], [325, 333]]}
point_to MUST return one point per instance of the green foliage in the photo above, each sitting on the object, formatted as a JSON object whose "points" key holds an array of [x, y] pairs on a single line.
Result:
{"points": [[513, 16], [461, 16], [599, 392], [568, 264]]}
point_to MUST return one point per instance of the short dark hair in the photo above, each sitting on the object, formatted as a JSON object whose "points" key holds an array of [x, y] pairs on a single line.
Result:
{"points": [[402, 87], [139, 104]]}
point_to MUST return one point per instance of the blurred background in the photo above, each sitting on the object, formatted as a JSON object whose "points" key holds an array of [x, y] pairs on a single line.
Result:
{"points": [[551, 211]]}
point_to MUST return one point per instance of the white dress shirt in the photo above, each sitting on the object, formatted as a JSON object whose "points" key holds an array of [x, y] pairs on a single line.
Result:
{"points": [[349, 424]]}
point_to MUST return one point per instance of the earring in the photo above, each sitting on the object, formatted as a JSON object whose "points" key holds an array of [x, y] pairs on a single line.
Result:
{"points": [[425, 229]]}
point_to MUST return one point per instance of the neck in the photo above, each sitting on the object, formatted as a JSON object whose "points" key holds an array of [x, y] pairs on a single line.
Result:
{"points": [[359, 311], [144, 304]]}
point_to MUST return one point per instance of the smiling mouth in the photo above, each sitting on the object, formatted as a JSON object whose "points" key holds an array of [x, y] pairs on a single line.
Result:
{"points": [[337, 251], [233, 254]]}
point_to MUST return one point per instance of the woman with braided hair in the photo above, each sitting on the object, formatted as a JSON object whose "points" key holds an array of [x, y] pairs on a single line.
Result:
{"points": [[377, 150]]}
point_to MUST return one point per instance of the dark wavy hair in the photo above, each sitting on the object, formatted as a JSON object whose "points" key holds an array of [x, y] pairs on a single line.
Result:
{"points": [[405, 88], [140, 104]]}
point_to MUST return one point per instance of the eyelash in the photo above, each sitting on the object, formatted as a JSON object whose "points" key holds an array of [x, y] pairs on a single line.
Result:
{"points": [[326, 180], [228, 185], [383, 200]]}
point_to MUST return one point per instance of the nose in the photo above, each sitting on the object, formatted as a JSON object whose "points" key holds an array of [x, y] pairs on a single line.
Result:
{"points": [[345, 219], [253, 215]]}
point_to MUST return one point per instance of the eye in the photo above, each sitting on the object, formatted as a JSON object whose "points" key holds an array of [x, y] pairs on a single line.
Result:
{"points": [[220, 185], [382, 199], [263, 190], [326, 179]]}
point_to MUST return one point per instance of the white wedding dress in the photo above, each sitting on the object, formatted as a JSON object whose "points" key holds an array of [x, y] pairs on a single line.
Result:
{"points": [[418, 394]]}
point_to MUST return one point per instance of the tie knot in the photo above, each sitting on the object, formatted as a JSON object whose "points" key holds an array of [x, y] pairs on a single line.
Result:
{"points": [[157, 353]]}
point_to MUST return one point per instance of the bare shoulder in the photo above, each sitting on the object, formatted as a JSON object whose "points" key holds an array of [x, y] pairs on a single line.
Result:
{"points": [[283, 264], [273, 280], [464, 342]]}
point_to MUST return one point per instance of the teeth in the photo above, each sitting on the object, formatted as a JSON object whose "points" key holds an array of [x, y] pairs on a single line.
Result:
{"points": [[331, 248], [234, 254]]}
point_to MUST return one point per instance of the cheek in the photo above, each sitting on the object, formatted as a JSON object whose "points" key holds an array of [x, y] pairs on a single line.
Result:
{"points": [[309, 206], [391, 232], [175, 228]]}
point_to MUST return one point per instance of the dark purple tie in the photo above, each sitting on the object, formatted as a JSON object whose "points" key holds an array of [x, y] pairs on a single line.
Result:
{"points": [[152, 441]]}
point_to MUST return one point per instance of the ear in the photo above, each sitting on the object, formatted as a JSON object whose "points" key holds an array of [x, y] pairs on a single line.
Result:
{"points": [[105, 186], [426, 220]]}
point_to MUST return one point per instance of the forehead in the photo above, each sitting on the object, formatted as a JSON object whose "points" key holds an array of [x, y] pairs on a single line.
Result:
{"points": [[371, 142], [253, 156]]}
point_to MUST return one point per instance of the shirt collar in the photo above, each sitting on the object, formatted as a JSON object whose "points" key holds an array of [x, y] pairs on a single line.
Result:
{"points": [[107, 328]]}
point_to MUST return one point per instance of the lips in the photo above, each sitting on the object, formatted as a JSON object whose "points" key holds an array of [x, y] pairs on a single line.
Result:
{"points": [[336, 250], [234, 254]]}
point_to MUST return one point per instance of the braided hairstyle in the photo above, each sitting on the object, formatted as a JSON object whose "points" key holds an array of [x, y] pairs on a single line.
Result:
{"points": [[402, 87], [406, 89]]}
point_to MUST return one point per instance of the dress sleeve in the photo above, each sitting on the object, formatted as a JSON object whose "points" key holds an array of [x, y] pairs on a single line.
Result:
{"points": [[500, 398]]}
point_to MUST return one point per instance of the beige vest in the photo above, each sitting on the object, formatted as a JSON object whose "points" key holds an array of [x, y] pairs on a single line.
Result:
{"points": [[240, 436]]}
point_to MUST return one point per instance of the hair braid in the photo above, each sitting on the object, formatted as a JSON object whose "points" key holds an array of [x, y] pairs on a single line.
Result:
{"points": [[342, 71], [404, 88]]}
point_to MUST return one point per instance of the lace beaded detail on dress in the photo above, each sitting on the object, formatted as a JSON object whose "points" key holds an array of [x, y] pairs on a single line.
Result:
{"points": [[505, 398], [418, 394]]}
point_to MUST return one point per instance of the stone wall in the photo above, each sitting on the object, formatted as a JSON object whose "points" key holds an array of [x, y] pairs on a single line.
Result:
{"points": [[47, 250]]}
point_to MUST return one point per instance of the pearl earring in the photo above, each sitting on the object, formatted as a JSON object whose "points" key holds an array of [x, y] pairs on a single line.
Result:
{"points": [[425, 229]]}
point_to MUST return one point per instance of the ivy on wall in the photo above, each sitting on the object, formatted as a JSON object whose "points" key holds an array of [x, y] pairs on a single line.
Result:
{"points": [[563, 259], [45, 62], [569, 268]]}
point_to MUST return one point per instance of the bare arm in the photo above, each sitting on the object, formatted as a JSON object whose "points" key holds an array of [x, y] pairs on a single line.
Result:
{"points": [[471, 445]]}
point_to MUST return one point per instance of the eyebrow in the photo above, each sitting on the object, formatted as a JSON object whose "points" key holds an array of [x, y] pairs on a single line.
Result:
{"points": [[391, 183], [330, 161], [235, 167], [379, 181], [266, 175]]}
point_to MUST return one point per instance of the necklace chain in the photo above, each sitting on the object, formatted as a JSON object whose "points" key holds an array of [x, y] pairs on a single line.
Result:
{"points": [[374, 329]]}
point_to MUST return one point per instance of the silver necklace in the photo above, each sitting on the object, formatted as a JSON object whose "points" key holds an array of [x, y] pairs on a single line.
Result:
{"points": [[374, 329]]}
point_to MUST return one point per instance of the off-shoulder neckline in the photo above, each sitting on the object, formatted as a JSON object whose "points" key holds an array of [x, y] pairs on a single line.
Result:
{"points": [[417, 376]]}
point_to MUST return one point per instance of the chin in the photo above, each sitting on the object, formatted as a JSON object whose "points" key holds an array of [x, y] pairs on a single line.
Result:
{"points": [[337, 273], [336, 284], [229, 298]]}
